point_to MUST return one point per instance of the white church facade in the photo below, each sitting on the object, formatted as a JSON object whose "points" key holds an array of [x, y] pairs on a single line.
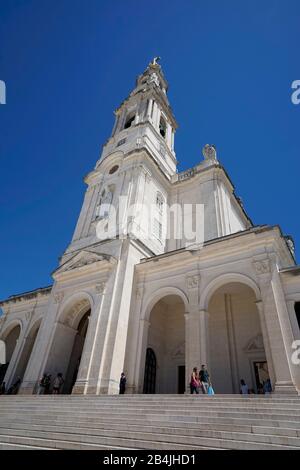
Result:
{"points": [[137, 295]]}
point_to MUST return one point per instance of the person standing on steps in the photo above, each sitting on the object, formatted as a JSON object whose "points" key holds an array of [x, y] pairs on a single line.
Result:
{"points": [[47, 383], [57, 384], [204, 379], [244, 388], [122, 385], [42, 385], [194, 383]]}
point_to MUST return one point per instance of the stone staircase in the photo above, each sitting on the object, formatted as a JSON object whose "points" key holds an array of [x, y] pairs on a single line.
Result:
{"points": [[152, 422]]}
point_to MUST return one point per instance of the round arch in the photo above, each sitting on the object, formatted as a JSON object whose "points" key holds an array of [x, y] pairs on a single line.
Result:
{"points": [[68, 339], [74, 307], [27, 348], [10, 327], [224, 279], [153, 298]]}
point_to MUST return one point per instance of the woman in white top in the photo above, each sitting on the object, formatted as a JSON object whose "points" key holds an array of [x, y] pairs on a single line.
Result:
{"points": [[244, 388]]}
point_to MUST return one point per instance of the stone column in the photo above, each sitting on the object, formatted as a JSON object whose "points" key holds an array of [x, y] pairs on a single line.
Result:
{"points": [[204, 338], [133, 345], [144, 326], [149, 110], [86, 382], [285, 325], [235, 375], [195, 328], [9, 375], [169, 136], [192, 343], [277, 324], [43, 342], [266, 341], [172, 140]]}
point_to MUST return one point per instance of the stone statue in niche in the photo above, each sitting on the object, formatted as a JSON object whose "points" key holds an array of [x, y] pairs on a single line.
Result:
{"points": [[104, 205]]}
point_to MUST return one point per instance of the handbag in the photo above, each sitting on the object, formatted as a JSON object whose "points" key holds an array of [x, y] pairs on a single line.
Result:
{"points": [[210, 391]]}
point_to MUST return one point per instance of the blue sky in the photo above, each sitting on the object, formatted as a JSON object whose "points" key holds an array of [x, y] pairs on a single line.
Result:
{"points": [[68, 64]]}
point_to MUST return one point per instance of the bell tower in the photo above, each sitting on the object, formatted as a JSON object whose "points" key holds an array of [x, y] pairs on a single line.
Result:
{"points": [[138, 163], [145, 120]]}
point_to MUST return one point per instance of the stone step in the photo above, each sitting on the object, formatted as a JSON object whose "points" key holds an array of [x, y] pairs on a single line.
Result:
{"points": [[149, 422], [154, 413], [118, 430], [148, 405], [155, 398], [72, 441], [8, 446], [154, 418], [107, 422]]}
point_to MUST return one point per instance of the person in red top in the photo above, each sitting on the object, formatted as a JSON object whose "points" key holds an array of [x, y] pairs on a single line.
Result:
{"points": [[195, 382]]}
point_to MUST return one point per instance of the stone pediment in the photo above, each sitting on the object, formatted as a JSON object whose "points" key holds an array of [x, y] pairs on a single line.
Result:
{"points": [[84, 259], [255, 344]]}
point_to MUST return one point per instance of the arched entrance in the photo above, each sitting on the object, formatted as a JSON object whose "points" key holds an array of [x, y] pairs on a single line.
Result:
{"points": [[77, 349], [68, 342], [11, 340], [26, 351], [236, 348], [165, 350]]}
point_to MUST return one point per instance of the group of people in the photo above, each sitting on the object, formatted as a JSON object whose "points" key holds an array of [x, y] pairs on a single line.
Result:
{"points": [[46, 382], [264, 388], [201, 381]]}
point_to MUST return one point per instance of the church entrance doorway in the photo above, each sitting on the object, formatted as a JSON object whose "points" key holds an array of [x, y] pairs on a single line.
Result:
{"points": [[236, 341], [261, 374], [166, 343], [67, 348], [77, 349], [181, 379], [150, 372]]}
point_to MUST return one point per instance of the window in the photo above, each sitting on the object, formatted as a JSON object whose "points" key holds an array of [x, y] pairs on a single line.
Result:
{"points": [[129, 121], [113, 169], [157, 229], [297, 311], [105, 203], [121, 142], [162, 127], [159, 201]]}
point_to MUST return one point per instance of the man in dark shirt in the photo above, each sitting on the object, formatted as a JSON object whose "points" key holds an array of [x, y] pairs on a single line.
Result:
{"points": [[204, 378], [122, 383]]}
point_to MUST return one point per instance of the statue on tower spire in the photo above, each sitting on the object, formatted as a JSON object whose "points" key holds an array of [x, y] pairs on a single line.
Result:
{"points": [[155, 60]]}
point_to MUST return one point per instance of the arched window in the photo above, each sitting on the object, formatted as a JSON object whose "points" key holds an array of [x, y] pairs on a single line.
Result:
{"points": [[105, 203], [162, 127], [150, 372], [159, 201], [129, 120], [297, 312]]}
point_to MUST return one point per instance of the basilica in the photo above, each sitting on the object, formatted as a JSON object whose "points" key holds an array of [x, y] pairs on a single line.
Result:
{"points": [[135, 293]]}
